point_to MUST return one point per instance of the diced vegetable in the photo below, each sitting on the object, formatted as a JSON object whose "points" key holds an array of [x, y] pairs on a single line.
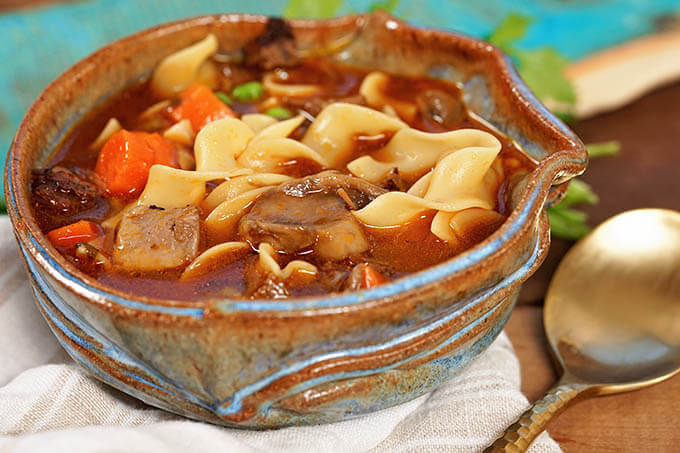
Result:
{"points": [[280, 113], [124, 161], [200, 105], [370, 277], [224, 97], [248, 92], [70, 235]]}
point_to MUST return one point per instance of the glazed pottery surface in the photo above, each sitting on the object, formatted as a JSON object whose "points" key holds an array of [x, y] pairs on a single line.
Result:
{"points": [[263, 364]]}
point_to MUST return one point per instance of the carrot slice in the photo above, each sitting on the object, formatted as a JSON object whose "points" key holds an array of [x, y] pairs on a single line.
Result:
{"points": [[163, 151], [200, 106], [69, 235], [125, 159], [370, 277]]}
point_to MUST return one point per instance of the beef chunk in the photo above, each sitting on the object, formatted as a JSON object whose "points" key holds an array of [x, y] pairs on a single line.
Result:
{"points": [[359, 190], [155, 239], [260, 285], [62, 196], [440, 107], [272, 288], [354, 280], [315, 105], [393, 181], [275, 48], [312, 213]]}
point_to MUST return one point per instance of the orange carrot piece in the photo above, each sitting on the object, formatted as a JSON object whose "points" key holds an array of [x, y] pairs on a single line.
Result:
{"points": [[163, 151], [370, 277], [125, 159], [200, 106], [69, 235]]}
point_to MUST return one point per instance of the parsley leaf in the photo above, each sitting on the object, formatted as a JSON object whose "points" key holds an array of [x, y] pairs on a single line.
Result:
{"points": [[579, 192], [311, 9], [542, 69], [603, 149], [387, 5], [567, 223], [513, 27]]}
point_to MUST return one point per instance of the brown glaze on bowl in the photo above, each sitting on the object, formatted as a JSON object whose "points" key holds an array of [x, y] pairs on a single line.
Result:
{"points": [[263, 364]]}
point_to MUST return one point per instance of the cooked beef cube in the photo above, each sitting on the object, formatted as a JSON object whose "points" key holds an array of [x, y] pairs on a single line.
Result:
{"points": [[441, 107], [275, 48], [155, 239], [315, 105], [394, 182], [260, 285], [310, 214], [332, 275], [354, 279], [62, 196], [272, 288], [359, 190]]}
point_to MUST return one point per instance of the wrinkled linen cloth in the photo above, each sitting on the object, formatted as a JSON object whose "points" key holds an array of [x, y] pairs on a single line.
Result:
{"points": [[48, 404]]}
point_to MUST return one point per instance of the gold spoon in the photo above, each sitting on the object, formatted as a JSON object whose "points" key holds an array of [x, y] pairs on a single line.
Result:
{"points": [[611, 315]]}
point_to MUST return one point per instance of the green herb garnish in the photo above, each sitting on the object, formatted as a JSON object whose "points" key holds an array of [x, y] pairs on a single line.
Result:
{"points": [[566, 222], [224, 97], [248, 92], [603, 149], [280, 113], [386, 5], [311, 9], [542, 69], [512, 28]]}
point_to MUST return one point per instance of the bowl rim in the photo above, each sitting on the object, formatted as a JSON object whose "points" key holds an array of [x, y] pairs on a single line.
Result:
{"points": [[548, 179]]}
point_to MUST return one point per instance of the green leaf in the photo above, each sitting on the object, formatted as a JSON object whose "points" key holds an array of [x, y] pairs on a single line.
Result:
{"points": [[279, 113], [248, 92], [603, 149], [567, 223], [387, 5], [311, 9], [224, 97], [578, 193], [513, 27], [543, 72]]}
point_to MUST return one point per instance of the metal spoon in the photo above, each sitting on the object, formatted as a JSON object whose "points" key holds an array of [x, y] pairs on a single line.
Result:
{"points": [[611, 315]]}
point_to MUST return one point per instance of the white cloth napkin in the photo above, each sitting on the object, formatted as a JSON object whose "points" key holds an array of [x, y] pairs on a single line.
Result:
{"points": [[48, 404]]}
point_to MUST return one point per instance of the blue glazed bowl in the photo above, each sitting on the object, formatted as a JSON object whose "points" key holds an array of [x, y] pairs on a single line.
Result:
{"points": [[264, 364]]}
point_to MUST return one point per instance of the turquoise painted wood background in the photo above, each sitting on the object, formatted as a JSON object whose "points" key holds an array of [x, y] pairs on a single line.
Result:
{"points": [[39, 44]]}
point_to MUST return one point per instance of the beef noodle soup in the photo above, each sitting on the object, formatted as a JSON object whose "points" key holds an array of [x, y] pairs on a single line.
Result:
{"points": [[264, 174]]}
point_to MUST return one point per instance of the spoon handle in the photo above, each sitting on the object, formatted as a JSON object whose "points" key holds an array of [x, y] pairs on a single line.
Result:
{"points": [[518, 436]]}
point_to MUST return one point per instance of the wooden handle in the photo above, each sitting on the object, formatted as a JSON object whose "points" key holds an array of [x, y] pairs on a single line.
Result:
{"points": [[518, 436]]}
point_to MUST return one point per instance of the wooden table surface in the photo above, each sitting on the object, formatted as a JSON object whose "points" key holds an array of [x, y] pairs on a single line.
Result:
{"points": [[643, 421]]}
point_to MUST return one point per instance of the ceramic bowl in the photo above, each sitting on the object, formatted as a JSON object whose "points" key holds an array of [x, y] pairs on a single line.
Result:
{"points": [[264, 364]]}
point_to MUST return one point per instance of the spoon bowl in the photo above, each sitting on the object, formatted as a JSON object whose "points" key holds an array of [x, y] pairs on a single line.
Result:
{"points": [[611, 315]]}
